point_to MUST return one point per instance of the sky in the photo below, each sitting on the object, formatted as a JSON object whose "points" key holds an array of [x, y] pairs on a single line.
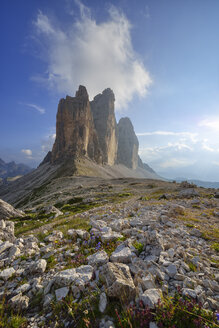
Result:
{"points": [[161, 59]]}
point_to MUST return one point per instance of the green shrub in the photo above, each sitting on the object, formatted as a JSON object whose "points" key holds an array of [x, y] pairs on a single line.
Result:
{"points": [[139, 247]]}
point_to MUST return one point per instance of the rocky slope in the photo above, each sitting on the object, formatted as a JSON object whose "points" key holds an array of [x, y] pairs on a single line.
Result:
{"points": [[75, 269], [88, 143], [7, 211]]}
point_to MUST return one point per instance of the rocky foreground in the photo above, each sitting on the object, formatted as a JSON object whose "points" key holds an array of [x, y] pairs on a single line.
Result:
{"points": [[85, 272]]}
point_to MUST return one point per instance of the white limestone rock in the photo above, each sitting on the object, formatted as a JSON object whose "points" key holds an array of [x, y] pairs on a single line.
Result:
{"points": [[7, 273], [150, 297], [121, 254], [98, 258]]}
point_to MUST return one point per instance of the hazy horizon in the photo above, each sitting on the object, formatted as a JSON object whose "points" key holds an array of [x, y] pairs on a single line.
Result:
{"points": [[160, 59]]}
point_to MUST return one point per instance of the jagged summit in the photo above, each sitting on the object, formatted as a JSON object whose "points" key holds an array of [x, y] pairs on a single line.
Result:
{"points": [[89, 143], [75, 132], [82, 92], [102, 108]]}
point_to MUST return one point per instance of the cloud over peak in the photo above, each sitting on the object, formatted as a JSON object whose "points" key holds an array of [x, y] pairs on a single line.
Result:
{"points": [[98, 55], [27, 152]]}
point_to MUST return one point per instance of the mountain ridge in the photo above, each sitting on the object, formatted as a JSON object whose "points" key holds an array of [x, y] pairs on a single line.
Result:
{"points": [[89, 143], [11, 169]]}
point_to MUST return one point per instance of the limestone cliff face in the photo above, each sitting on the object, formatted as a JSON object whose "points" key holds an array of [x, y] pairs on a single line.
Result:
{"points": [[102, 108], [127, 144], [75, 132], [89, 129]]}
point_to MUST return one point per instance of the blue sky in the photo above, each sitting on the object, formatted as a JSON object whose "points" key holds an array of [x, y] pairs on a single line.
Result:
{"points": [[161, 58]]}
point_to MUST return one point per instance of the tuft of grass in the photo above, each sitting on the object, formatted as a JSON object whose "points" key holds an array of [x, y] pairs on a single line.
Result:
{"points": [[82, 314], [139, 247], [10, 319], [189, 225], [51, 262], [170, 312], [192, 266], [124, 194], [73, 223], [215, 246]]}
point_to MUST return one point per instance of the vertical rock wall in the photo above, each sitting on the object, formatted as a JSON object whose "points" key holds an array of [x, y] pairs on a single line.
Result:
{"points": [[75, 132], [127, 144], [102, 108]]}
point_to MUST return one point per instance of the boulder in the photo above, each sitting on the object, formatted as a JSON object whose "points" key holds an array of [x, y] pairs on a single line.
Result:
{"points": [[19, 302], [119, 282], [188, 193], [150, 297], [7, 211], [98, 258], [122, 254], [7, 230], [38, 267], [7, 273], [80, 276], [4, 246]]}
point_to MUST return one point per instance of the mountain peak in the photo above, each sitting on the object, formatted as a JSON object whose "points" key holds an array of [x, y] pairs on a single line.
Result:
{"points": [[89, 129], [81, 92]]}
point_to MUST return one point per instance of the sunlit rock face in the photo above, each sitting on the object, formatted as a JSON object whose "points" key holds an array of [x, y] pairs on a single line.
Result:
{"points": [[75, 132], [89, 129], [102, 108], [127, 144]]}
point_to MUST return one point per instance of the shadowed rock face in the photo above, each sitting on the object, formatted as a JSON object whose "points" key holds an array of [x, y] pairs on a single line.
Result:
{"points": [[102, 108], [127, 144], [89, 129], [75, 132]]}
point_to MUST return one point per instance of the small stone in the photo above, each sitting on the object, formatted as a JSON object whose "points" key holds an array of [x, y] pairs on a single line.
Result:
{"points": [[102, 302], [23, 288], [171, 270], [151, 296], [61, 293], [7, 273], [48, 299], [19, 302], [195, 232], [98, 258], [121, 254], [4, 246], [38, 267], [189, 292], [153, 325], [14, 251]]}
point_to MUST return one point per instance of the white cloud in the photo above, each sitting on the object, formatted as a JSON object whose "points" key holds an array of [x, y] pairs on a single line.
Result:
{"points": [[97, 55], [176, 162], [47, 143], [210, 123], [191, 135], [38, 108], [27, 152], [215, 163]]}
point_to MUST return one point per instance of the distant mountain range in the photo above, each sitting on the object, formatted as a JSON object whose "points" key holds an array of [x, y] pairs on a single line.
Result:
{"points": [[200, 183], [11, 170]]}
